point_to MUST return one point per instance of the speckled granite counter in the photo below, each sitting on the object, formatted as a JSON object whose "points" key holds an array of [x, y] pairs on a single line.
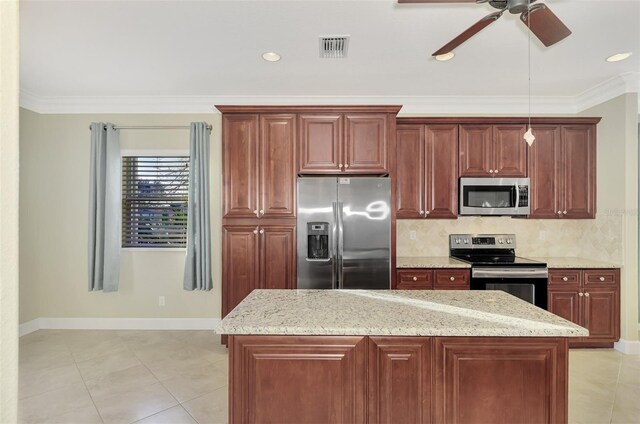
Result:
{"points": [[430, 262], [578, 263], [393, 313]]}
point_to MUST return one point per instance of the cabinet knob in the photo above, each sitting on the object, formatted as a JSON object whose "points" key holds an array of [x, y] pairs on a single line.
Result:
{"points": [[559, 212], [496, 171], [415, 278], [580, 294], [452, 278], [261, 231], [340, 165], [601, 278], [586, 294], [564, 212], [422, 213], [346, 165], [261, 211], [491, 171], [565, 279], [427, 213], [255, 231], [256, 212]]}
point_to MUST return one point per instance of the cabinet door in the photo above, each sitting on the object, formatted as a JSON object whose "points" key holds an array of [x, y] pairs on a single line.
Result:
{"points": [[294, 379], [544, 172], [509, 151], [410, 171], [366, 143], [399, 389], [414, 279], [601, 309], [239, 264], [476, 150], [277, 166], [277, 257], [320, 143], [579, 172], [441, 171], [240, 165], [565, 302]]}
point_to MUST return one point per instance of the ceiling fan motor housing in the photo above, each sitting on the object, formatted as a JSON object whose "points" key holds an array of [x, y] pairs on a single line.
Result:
{"points": [[518, 6]]}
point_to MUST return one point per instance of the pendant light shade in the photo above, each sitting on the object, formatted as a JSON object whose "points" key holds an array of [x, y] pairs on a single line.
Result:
{"points": [[529, 137]]}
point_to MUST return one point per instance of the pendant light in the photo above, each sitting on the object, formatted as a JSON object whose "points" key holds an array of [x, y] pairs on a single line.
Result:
{"points": [[528, 136]]}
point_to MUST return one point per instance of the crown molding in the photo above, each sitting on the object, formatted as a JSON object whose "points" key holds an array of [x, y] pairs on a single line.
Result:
{"points": [[412, 105]]}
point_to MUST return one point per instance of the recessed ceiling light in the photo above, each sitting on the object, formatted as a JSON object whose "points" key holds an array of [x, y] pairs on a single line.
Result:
{"points": [[271, 56], [618, 57], [444, 57]]}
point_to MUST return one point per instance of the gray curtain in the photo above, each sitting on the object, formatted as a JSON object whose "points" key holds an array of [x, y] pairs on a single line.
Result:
{"points": [[197, 270], [104, 208]]}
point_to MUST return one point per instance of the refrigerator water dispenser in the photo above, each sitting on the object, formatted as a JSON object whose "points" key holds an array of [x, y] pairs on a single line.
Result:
{"points": [[317, 240]]}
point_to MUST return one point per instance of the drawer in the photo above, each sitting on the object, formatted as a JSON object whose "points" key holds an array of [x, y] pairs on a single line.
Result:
{"points": [[601, 277], [451, 279], [414, 279], [565, 276]]}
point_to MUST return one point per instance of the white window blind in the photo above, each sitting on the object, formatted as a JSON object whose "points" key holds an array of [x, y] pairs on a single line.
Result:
{"points": [[154, 201]]}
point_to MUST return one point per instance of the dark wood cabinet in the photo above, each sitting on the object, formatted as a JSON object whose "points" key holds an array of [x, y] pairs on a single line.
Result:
{"points": [[493, 150], [590, 298], [297, 379], [432, 279], [345, 143], [562, 168], [426, 175], [399, 380], [258, 157], [256, 256]]}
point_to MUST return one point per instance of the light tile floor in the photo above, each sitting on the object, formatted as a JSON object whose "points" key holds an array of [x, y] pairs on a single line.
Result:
{"points": [[174, 377]]}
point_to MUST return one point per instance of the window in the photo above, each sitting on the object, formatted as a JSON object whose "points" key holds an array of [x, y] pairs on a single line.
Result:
{"points": [[154, 201]]}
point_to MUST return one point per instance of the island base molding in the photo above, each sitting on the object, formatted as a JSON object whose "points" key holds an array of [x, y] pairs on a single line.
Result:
{"points": [[369, 379]]}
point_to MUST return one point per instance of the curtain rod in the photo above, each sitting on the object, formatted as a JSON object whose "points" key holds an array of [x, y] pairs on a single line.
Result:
{"points": [[155, 127]]}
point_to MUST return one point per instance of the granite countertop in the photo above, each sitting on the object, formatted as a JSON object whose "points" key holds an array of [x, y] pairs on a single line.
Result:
{"points": [[554, 262], [430, 262], [393, 313]]}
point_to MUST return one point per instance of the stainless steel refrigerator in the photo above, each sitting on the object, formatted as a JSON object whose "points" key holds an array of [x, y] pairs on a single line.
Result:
{"points": [[344, 233]]}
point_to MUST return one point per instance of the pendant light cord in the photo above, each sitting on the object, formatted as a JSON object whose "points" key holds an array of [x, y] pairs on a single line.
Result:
{"points": [[529, 54]]}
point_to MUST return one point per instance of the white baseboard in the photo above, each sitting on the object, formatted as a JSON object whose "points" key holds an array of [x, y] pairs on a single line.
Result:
{"points": [[118, 324], [628, 347]]}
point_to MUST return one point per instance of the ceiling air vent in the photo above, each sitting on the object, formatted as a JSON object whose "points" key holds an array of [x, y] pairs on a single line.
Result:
{"points": [[334, 47]]}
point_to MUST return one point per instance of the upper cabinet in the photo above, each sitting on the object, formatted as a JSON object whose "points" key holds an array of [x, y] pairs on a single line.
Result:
{"points": [[345, 143], [562, 167], [426, 174], [258, 157], [492, 150]]}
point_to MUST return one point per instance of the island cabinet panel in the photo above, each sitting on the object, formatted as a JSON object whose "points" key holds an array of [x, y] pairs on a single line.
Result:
{"points": [[259, 173], [296, 379], [476, 159], [590, 298], [427, 171], [500, 381], [366, 143], [240, 165], [320, 143], [260, 256], [399, 380]]}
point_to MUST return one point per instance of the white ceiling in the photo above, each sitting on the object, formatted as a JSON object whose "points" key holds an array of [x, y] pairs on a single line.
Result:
{"points": [[206, 51]]}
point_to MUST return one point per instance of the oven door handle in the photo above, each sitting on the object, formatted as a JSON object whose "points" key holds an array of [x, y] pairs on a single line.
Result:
{"points": [[509, 272]]}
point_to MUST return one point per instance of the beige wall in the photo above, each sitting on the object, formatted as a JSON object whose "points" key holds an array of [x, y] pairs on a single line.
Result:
{"points": [[8, 211], [54, 168], [611, 237]]}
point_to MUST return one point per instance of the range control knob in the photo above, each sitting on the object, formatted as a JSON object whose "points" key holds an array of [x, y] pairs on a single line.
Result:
{"points": [[457, 241], [509, 241], [501, 241], [466, 241]]}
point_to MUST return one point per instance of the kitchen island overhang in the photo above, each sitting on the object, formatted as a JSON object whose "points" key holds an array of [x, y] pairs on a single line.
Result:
{"points": [[315, 356]]}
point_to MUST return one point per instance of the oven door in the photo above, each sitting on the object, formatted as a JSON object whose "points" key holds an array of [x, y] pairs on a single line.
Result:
{"points": [[494, 196], [529, 284]]}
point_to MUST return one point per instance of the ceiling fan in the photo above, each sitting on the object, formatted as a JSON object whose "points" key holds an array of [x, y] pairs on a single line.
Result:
{"points": [[542, 22]]}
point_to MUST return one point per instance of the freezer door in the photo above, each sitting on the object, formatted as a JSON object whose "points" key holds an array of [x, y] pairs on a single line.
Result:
{"points": [[364, 231], [317, 207]]}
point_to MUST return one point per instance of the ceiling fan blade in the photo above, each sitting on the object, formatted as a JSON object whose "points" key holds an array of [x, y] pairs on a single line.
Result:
{"points": [[436, 1], [473, 30], [545, 24]]}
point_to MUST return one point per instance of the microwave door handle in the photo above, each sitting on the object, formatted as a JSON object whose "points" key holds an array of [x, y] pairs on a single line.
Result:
{"points": [[517, 205]]}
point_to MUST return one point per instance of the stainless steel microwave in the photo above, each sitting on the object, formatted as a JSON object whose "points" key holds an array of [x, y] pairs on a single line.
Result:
{"points": [[494, 196]]}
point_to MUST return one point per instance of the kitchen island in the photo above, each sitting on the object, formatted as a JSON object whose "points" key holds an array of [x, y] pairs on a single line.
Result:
{"points": [[332, 356]]}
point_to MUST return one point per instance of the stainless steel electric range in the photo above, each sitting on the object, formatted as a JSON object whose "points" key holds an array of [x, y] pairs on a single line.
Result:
{"points": [[495, 266]]}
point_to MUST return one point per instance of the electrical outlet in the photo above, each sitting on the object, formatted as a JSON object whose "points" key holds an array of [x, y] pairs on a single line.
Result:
{"points": [[542, 235], [412, 235], [161, 301]]}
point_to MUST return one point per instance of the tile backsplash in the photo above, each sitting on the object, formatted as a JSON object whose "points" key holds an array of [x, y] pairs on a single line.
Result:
{"points": [[599, 239]]}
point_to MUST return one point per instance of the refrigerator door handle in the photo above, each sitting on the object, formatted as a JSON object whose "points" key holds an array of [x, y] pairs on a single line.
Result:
{"points": [[334, 247], [340, 246]]}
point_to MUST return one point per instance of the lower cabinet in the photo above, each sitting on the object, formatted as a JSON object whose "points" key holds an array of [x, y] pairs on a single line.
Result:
{"points": [[256, 257], [413, 380], [590, 298], [432, 279]]}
